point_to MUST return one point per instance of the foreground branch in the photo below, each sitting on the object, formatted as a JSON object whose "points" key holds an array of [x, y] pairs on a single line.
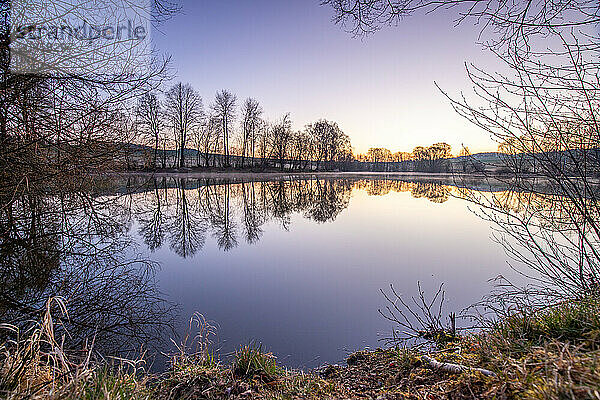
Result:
{"points": [[454, 368]]}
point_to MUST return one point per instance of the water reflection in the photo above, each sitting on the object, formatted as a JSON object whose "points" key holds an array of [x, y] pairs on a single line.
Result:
{"points": [[433, 191], [297, 264], [29, 249], [316, 287], [183, 212], [73, 246]]}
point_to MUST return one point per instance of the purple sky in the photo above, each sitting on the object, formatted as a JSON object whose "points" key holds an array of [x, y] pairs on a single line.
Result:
{"points": [[290, 56]]}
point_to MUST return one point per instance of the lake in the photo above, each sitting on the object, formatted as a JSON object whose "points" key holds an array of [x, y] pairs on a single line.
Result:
{"points": [[297, 264]]}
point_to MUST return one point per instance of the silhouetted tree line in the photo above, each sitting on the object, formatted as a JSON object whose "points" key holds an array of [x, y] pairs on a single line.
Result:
{"points": [[181, 134], [422, 159]]}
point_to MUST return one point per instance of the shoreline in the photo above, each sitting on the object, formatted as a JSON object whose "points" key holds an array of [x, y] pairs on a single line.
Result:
{"points": [[432, 176], [442, 178], [542, 356], [477, 182]]}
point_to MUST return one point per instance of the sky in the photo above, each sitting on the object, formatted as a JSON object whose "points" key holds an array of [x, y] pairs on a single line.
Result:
{"points": [[291, 57]]}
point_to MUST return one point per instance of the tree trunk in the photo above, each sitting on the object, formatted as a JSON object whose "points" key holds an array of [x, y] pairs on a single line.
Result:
{"points": [[182, 154], [156, 145]]}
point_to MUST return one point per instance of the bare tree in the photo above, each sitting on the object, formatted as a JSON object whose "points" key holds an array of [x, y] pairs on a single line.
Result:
{"points": [[513, 20], [300, 149], [212, 142], [251, 112], [465, 158], [265, 139], [47, 120], [224, 109], [331, 144], [184, 107], [149, 114], [198, 132], [281, 139]]}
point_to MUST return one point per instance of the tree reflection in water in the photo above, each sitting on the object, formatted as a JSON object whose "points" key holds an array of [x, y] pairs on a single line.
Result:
{"points": [[74, 246], [432, 191], [79, 245], [189, 210], [185, 211]]}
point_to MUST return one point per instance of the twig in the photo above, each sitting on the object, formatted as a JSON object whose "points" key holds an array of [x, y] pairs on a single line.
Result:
{"points": [[454, 368]]}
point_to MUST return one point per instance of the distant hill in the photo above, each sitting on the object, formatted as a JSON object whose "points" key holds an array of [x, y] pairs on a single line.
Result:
{"points": [[493, 158]]}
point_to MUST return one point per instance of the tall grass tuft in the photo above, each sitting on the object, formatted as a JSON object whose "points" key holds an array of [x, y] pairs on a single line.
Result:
{"points": [[34, 359], [251, 362], [196, 347], [34, 363]]}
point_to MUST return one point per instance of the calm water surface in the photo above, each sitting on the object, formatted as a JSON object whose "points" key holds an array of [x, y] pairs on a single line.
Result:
{"points": [[298, 264]]}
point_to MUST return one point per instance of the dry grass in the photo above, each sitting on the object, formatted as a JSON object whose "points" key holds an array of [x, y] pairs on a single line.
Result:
{"points": [[552, 354], [35, 364], [549, 354]]}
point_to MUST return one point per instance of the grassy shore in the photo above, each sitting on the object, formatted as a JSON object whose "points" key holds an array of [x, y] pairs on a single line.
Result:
{"points": [[550, 354]]}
